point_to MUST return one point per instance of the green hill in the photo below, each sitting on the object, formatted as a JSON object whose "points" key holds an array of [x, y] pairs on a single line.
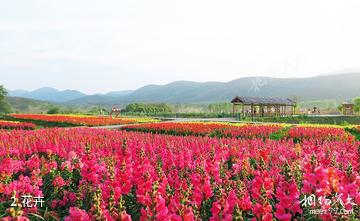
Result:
{"points": [[26, 105]]}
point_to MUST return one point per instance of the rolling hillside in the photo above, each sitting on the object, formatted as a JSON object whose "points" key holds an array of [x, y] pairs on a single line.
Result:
{"points": [[338, 87], [326, 87], [26, 105]]}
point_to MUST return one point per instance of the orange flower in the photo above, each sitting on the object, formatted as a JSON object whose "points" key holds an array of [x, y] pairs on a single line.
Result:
{"points": [[333, 179], [297, 149]]}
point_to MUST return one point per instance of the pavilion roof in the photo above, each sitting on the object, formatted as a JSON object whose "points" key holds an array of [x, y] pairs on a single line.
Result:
{"points": [[262, 100]]}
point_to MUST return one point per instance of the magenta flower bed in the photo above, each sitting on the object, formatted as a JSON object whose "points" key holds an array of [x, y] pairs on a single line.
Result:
{"points": [[95, 174]]}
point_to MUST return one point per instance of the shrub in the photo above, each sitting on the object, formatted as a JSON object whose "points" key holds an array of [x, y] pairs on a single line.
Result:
{"points": [[53, 110]]}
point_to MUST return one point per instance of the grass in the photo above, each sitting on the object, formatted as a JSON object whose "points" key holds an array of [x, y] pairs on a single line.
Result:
{"points": [[281, 134], [303, 119], [354, 131]]}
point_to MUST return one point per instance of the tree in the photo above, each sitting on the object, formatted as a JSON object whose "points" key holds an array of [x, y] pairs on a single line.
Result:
{"points": [[53, 110], [296, 99], [148, 108], [4, 106], [98, 110], [3, 92], [340, 107], [357, 105]]}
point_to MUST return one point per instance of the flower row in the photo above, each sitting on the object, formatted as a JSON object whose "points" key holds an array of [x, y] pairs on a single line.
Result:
{"points": [[80, 119], [208, 129], [297, 133], [96, 174], [319, 133], [16, 125]]}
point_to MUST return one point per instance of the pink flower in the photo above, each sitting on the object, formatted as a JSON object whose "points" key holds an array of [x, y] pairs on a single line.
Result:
{"points": [[287, 194], [245, 203], [188, 215], [77, 214], [58, 182], [262, 184], [263, 211], [67, 165], [18, 218], [216, 208], [125, 217], [161, 209], [316, 182]]}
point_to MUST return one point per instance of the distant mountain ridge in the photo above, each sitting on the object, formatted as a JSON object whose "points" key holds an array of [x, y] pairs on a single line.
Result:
{"points": [[118, 93], [48, 94], [334, 86], [54, 95]]}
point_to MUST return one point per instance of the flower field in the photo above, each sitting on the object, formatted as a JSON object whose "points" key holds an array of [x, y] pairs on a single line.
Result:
{"points": [[296, 133], [16, 125], [208, 129], [322, 133], [80, 119], [98, 174]]}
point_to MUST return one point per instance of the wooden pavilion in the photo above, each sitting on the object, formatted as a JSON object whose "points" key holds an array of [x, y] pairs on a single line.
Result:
{"points": [[347, 108], [261, 106]]}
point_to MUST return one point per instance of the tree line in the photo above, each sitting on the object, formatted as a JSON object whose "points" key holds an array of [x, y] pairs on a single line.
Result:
{"points": [[148, 108]]}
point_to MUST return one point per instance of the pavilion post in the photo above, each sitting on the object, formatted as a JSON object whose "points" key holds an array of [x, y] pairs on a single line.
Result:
{"points": [[252, 111], [233, 114], [278, 109], [284, 110]]}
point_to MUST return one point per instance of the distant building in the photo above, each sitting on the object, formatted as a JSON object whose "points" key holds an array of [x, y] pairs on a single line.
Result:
{"points": [[347, 108], [261, 106]]}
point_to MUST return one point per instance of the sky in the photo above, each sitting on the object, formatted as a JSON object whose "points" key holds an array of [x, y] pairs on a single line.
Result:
{"points": [[111, 45]]}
